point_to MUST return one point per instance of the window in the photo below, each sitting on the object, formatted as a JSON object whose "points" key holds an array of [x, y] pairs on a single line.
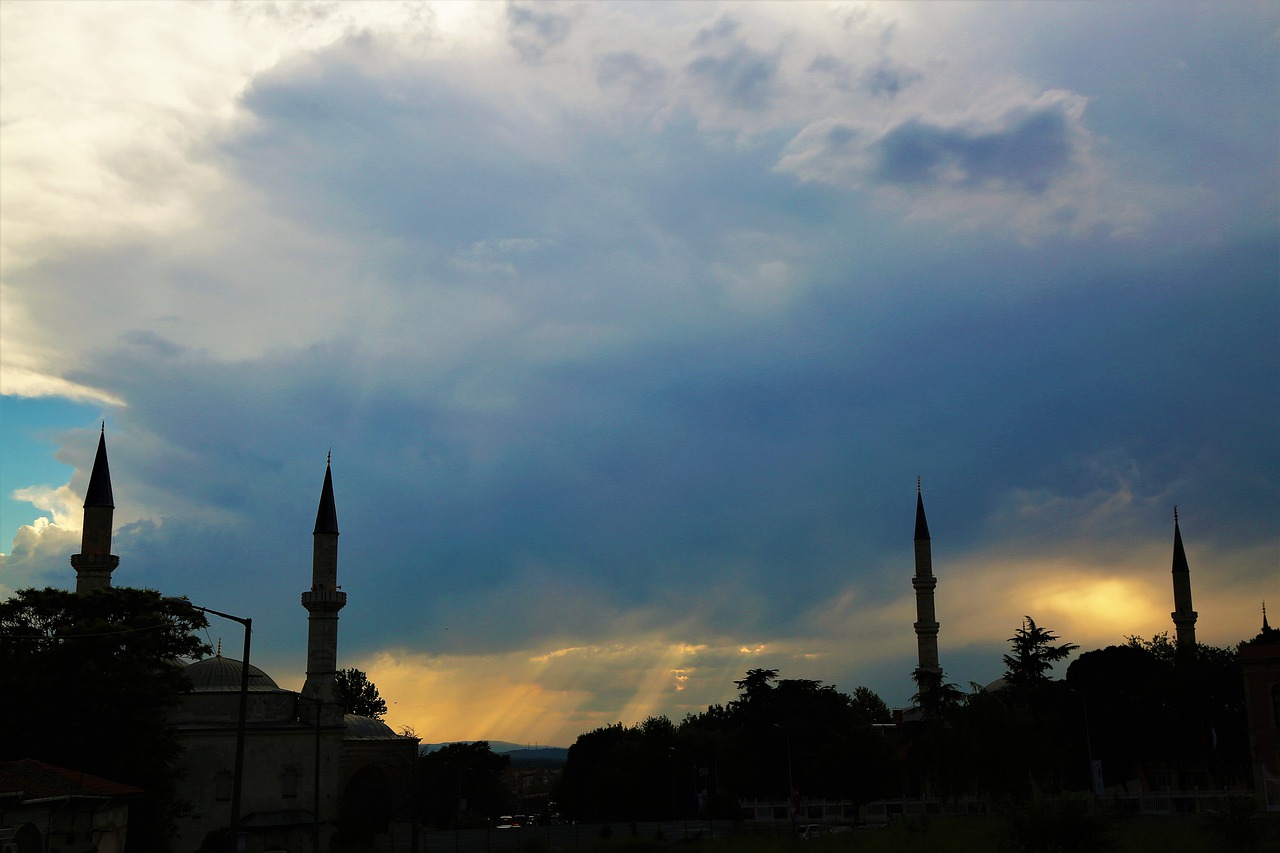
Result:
{"points": [[289, 783], [222, 784]]}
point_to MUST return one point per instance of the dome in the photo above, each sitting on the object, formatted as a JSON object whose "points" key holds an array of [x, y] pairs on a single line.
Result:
{"points": [[366, 728], [223, 674]]}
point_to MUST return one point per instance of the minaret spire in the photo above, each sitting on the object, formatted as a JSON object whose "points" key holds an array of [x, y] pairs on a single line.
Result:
{"points": [[95, 562], [924, 582], [1184, 617], [322, 602]]}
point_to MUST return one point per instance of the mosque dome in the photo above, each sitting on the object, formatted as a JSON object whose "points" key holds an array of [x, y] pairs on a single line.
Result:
{"points": [[218, 674], [366, 728]]}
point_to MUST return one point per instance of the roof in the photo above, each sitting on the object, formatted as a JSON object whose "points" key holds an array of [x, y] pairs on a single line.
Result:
{"points": [[922, 526], [35, 780], [327, 514], [1179, 553], [217, 674], [366, 728], [99, 491]]}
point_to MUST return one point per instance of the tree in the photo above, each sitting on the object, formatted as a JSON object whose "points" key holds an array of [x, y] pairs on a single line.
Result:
{"points": [[458, 772], [868, 704], [360, 695], [1150, 704], [622, 773], [1033, 654], [936, 697], [754, 690], [777, 737], [89, 682]]}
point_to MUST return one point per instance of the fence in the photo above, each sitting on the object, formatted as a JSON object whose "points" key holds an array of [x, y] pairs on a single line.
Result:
{"points": [[559, 836]]}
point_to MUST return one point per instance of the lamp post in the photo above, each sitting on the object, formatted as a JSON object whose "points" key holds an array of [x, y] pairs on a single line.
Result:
{"points": [[237, 780], [793, 803], [1095, 766]]}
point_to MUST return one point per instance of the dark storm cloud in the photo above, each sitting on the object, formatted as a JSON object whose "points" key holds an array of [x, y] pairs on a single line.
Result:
{"points": [[1028, 155], [438, 166], [740, 458], [445, 172]]}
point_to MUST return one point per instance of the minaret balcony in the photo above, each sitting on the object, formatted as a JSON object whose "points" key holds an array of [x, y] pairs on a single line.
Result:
{"points": [[324, 599], [95, 561]]}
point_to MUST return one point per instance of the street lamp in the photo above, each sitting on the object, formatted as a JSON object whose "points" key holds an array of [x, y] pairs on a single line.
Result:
{"points": [[792, 799], [1095, 766], [237, 782]]}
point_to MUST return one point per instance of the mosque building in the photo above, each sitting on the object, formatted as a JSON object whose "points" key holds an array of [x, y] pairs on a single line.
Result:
{"points": [[304, 762]]}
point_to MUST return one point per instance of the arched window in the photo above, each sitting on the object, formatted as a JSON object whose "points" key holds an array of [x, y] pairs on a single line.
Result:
{"points": [[27, 839], [1275, 705]]}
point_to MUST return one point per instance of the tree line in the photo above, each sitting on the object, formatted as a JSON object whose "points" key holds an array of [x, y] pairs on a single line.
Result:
{"points": [[89, 682], [1138, 714]]}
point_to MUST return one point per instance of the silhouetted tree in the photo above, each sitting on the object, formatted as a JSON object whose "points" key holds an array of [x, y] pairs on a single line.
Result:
{"points": [[1124, 695], [1033, 654], [470, 772], [621, 773], [1150, 705], [360, 695], [936, 697], [777, 735], [870, 706], [88, 682]]}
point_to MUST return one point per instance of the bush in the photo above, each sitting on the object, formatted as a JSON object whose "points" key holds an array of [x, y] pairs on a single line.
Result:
{"points": [[1068, 826], [1231, 824]]}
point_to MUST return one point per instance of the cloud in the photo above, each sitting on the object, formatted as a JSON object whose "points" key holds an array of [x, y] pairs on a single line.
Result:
{"points": [[884, 80], [630, 326], [38, 556], [740, 76], [1025, 156], [1028, 165], [533, 33]]}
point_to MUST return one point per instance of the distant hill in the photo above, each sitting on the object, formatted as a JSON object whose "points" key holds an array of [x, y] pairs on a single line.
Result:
{"points": [[521, 754]]}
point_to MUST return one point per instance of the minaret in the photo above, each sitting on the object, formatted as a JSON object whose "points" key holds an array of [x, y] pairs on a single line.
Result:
{"points": [[323, 601], [1184, 618], [924, 582], [95, 562]]}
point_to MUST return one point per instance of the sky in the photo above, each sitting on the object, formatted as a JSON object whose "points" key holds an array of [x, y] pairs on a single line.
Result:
{"points": [[630, 327]]}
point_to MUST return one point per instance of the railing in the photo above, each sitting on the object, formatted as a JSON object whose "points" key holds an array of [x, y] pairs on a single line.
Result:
{"points": [[1174, 802], [557, 836]]}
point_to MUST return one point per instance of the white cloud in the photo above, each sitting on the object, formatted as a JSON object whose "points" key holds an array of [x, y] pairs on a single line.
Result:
{"points": [[38, 557]]}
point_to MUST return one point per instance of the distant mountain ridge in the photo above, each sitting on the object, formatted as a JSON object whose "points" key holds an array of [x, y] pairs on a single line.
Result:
{"points": [[519, 752]]}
